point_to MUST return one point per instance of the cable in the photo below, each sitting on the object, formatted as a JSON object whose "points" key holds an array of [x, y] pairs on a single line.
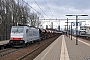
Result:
{"points": [[40, 8], [32, 8], [48, 7]]}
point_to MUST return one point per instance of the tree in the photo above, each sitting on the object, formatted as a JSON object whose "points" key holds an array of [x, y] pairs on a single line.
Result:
{"points": [[13, 12], [34, 19]]}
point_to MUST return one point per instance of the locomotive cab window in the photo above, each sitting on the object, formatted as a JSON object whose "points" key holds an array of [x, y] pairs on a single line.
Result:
{"points": [[17, 30]]}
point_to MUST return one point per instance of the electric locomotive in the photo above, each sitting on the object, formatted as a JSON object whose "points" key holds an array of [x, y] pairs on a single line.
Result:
{"points": [[23, 35]]}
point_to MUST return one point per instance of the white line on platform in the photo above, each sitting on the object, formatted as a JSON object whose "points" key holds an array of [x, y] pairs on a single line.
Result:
{"points": [[48, 50], [82, 41], [64, 52]]}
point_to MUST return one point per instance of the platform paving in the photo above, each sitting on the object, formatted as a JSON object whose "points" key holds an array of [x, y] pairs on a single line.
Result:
{"points": [[63, 48], [52, 52], [4, 42], [77, 52]]}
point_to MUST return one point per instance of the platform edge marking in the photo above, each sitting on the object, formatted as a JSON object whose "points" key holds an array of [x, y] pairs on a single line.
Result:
{"points": [[64, 53]]}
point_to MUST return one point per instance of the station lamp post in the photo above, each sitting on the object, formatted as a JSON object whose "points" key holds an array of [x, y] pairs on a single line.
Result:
{"points": [[71, 27], [71, 30], [67, 26], [66, 30], [59, 26], [76, 26]]}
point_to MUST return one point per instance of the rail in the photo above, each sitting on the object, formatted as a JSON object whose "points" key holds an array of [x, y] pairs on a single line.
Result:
{"points": [[26, 55]]}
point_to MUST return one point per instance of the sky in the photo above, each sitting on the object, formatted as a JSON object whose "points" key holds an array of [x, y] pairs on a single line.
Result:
{"points": [[58, 9]]}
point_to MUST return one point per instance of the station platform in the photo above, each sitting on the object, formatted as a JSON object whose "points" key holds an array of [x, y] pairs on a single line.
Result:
{"points": [[4, 42], [65, 49]]}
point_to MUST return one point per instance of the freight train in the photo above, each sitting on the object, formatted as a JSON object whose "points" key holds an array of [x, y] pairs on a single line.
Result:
{"points": [[24, 35]]}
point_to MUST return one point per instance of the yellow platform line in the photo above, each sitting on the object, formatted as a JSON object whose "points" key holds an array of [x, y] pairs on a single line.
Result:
{"points": [[64, 53]]}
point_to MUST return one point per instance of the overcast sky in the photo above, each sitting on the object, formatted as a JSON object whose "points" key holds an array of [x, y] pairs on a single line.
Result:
{"points": [[59, 8]]}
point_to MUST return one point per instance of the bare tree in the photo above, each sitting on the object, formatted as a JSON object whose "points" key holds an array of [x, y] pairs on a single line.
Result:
{"points": [[34, 19], [13, 12]]}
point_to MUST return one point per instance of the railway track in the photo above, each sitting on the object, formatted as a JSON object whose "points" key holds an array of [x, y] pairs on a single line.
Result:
{"points": [[42, 47], [4, 50], [23, 57], [7, 52], [29, 52]]}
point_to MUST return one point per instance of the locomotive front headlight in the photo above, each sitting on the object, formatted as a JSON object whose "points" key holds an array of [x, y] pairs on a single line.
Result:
{"points": [[11, 38], [22, 39]]}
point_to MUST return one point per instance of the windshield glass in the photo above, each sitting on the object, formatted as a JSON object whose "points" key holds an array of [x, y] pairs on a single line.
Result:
{"points": [[17, 30]]}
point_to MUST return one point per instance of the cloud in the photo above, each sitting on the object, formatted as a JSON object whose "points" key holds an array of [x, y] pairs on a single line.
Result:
{"points": [[78, 4], [60, 8]]}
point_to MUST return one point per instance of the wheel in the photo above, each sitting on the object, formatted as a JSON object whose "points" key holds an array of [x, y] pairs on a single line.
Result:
{"points": [[2, 47]]}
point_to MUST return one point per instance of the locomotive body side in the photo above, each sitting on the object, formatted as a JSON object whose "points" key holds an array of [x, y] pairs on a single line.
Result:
{"points": [[32, 34]]}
